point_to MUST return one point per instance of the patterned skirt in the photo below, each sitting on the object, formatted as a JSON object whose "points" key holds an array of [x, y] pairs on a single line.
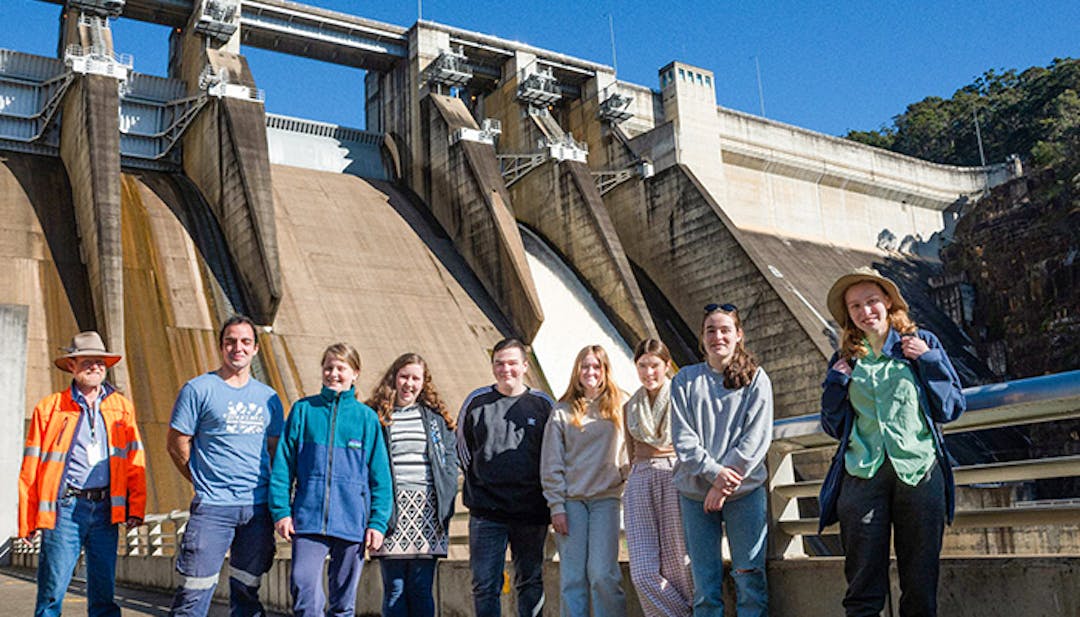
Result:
{"points": [[418, 532]]}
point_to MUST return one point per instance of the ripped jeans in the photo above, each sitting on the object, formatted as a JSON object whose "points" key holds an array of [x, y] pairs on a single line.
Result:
{"points": [[747, 529]]}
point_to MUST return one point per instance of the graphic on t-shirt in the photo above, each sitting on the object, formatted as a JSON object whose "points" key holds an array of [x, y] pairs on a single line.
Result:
{"points": [[245, 418]]}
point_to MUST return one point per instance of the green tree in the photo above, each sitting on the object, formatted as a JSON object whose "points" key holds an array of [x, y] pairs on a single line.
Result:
{"points": [[1031, 113]]}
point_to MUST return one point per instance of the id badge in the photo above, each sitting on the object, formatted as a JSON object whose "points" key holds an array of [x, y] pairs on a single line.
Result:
{"points": [[94, 453]]}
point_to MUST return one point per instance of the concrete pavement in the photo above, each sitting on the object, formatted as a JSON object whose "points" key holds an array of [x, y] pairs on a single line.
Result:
{"points": [[18, 590]]}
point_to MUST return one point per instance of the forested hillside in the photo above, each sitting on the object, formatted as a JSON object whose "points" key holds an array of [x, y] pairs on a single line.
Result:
{"points": [[1034, 114]]}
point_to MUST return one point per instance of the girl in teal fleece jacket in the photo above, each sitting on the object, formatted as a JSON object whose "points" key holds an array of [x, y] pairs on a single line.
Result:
{"points": [[331, 491]]}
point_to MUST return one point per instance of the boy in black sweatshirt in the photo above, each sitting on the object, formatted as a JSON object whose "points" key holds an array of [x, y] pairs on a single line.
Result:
{"points": [[500, 430]]}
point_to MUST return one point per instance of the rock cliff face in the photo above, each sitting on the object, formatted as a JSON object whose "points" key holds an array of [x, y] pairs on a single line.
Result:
{"points": [[1018, 250]]}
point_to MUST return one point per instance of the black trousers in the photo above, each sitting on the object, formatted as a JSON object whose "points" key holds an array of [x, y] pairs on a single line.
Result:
{"points": [[871, 510]]}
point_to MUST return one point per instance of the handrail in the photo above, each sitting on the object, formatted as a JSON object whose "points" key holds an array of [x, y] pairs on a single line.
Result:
{"points": [[989, 473], [1022, 401]]}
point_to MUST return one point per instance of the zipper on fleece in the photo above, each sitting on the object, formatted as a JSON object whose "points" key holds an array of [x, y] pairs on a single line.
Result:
{"points": [[330, 462]]}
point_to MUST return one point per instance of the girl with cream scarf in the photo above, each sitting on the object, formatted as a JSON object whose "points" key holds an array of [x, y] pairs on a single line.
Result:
{"points": [[659, 567]]}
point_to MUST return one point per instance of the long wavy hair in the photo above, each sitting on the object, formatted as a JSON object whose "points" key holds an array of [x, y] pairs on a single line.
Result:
{"points": [[851, 340], [740, 371], [384, 395], [343, 352], [610, 395]]}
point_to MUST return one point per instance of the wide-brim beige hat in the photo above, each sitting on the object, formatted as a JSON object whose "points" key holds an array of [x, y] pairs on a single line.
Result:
{"points": [[86, 344], [836, 303]]}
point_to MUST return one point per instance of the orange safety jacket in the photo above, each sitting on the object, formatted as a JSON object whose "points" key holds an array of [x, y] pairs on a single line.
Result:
{"points": [[48, 442]]}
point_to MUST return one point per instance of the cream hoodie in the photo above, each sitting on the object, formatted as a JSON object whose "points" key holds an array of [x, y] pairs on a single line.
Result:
{"points": [[581, 463]]}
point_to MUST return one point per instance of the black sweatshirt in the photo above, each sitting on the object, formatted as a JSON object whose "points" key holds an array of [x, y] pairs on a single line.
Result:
{"points": [[499, 439]]}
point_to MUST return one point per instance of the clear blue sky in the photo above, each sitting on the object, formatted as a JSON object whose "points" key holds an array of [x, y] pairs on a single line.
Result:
{"points": [[848, 65]]}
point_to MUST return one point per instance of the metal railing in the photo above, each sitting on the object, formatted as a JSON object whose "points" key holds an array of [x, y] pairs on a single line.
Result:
{"points": [[1021, 402]]}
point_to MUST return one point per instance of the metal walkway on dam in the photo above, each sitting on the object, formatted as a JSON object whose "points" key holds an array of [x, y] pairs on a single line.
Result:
{"points": [[497, 189]]}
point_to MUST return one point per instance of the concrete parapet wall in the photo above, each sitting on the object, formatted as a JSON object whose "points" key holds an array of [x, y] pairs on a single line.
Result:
{"points": [[930, 185], [969, 587], [794, 182]]}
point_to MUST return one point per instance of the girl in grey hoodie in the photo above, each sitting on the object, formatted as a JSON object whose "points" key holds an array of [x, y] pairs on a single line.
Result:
{"points": [[722, 411]]}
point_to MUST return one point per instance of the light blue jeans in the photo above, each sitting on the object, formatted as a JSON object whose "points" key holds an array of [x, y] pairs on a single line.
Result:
{"points": [[79, 523], [747, 530], [589, 560]]}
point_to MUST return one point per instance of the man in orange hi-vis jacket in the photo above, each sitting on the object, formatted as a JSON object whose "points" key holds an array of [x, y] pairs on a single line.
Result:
{"points": [[83, 473]]}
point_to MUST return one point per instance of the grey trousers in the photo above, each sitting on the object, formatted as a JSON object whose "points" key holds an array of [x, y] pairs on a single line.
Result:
{"points": [[872, 510]]}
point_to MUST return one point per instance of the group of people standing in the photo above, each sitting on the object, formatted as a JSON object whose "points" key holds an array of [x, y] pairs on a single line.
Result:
{"points": [[691, 453], [682, 460]]}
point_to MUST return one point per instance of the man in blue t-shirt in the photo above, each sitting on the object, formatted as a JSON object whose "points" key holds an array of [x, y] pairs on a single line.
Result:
{"points": [[224, 428]]}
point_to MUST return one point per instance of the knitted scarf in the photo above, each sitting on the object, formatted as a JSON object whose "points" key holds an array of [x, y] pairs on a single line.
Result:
{"points": [[647, 423]]}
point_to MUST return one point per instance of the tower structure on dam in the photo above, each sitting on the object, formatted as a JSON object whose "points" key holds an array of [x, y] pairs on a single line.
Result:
{"points": [[151, 207]]}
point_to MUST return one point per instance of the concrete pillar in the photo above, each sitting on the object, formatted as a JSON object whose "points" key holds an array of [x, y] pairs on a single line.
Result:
{"points": [[583, 120], [689, 99], [560, 201], [90, 150], [471, 202], [225, 154], [425, 45], [13, 340]]}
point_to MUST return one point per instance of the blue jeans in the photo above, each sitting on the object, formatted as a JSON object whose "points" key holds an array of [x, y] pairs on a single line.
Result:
{"points": [[407, 587], [589, 560], [346, 561], [248, 534], [79, 523], [747, 530], [487, 550]]}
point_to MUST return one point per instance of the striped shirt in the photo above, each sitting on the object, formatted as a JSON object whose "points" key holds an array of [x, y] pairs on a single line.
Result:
{"points": [[408, 449]]}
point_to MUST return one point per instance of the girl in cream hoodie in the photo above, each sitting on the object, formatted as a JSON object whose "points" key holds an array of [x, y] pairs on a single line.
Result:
{"points": [[583, 465]]}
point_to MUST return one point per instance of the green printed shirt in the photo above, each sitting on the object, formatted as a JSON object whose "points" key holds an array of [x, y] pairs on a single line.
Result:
{"points": [[887, 420]]}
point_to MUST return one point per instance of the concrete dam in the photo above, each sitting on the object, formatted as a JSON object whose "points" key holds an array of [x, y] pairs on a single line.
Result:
{"points": [[498, 189]]}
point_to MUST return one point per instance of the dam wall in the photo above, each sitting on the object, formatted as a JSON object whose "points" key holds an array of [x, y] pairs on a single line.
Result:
{"points": [[361, 263]]}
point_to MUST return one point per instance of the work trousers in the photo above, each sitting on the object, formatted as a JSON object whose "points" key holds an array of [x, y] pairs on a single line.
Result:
{"points": [[247, 533], [871, 511]]}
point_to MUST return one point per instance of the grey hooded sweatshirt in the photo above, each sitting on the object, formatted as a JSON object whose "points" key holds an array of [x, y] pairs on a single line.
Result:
{"points": [[712, 426]]}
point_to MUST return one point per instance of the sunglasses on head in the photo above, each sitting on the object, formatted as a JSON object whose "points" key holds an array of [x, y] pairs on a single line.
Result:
{"points": [[720, 307]]}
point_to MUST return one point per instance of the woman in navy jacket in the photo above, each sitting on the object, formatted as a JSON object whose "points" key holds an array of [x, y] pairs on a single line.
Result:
{"points": [[419, 434], [886, 393]]}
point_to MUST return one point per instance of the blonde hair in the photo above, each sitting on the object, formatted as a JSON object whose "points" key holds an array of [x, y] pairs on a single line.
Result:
{"points": [[345, 353], [610, 395], [384, 395], [851, 339]]}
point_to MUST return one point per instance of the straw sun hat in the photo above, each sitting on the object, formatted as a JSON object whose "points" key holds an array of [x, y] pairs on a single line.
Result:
{"points": [[836, 303]]}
